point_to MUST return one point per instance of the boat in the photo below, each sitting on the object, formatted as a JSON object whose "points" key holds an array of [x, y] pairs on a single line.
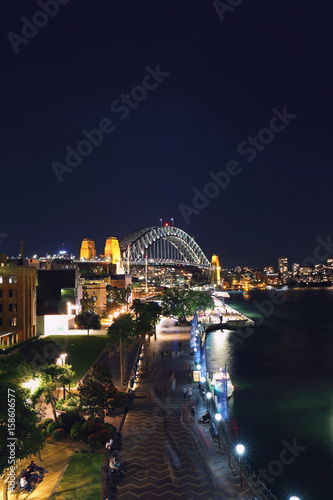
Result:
{"points": [[218, 382]]}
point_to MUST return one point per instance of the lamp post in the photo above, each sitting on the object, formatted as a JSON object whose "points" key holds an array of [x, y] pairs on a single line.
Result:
{"points": [[240, 450], [63, 362], [63, 358], [218, 417], [208, 396]]}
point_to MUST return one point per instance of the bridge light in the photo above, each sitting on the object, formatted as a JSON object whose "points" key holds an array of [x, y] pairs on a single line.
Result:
{"points": [[166, 224]]}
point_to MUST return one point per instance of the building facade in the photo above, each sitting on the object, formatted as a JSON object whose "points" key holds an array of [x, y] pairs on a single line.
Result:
{"points": [[18, 303]]}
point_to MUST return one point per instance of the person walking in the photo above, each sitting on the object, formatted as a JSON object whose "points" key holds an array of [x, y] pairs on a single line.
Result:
{"points": [[190, 393], [184, 392]]}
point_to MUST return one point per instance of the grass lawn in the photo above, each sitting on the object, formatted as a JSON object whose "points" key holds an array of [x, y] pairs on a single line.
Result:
{"points": [[81, 350], [82, 478]]}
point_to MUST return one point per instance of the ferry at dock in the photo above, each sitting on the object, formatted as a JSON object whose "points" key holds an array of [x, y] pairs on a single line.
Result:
{"points": [[218, 382]]}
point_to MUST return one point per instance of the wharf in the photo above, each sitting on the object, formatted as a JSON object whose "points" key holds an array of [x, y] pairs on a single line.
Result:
{"points": [[168, 454]]}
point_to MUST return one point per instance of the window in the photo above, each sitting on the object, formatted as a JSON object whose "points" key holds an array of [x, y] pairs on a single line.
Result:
{"points": [[10, 293], [10, 307], [0, 321], [1, 279], [10, 279], [0, 308], [14, 279], [0, 293], [15, 307], [13, 322]]}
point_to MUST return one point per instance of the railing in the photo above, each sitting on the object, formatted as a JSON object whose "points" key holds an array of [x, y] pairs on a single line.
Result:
{"points": [[258, 485]]}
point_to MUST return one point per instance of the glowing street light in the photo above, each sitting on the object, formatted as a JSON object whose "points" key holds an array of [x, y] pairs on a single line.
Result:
{"points": [[62, 358], [199, 367], [202, 380], [240, 450], [294, 498]]}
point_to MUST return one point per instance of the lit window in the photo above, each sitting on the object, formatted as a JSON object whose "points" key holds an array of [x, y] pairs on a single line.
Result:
{"points": [[1, 279], [10, 279], [14, 279], [13, 322]]}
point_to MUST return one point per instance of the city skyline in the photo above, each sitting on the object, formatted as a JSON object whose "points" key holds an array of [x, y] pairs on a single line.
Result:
{"points": [[117, 115]]}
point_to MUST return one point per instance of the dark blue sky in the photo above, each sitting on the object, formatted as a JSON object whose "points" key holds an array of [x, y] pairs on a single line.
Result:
{"points": [[225, 78]]}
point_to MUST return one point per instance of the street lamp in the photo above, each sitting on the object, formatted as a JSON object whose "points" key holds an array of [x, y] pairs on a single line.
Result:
{"points": [[208, 396], [63, 358], [240, 450], [62, 363], [294, 498], [218, 418]]}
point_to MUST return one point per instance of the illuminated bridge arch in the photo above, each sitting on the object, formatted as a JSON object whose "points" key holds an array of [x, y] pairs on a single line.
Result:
{"points": [[163, 245]]}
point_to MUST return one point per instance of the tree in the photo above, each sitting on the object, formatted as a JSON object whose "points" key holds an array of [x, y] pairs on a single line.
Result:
{"points": [[155, 311], [117, 297], [97, 389], [201, 300], [137, 306], [121, 333], [87, 320], [174, 303], [87, 303], [144, 326], [14, 404], [53, 378], [182, 303]]}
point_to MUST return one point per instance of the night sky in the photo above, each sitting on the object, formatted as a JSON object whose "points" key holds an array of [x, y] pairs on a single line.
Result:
{"points": [[212, 80]]}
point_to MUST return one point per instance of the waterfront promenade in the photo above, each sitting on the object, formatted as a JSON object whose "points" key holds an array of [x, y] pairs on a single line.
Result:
{"points": [[168, 455]]}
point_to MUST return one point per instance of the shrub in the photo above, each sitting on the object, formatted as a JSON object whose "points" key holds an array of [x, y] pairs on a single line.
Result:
{"points": [[93, 441], [103, 436], [68, 419], [90, 427], [72, 401], [76, 430], [99, 420], [52, 427], [111, 428], [45, 422], [58, 434]]}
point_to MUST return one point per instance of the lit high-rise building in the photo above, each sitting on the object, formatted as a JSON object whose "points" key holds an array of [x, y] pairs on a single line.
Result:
{"points": [[283, 265]]}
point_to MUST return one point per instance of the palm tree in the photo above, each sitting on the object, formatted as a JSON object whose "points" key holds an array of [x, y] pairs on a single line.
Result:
{"points": [[155, 311], [137, 307], [122, 332], [144, 326]]}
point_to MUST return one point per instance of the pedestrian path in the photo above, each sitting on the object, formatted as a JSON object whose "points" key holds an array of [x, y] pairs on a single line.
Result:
{"points": [[168, 455], [55, 457]]}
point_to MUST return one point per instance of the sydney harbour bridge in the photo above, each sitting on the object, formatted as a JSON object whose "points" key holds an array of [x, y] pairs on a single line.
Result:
{"points": [[162, 245]]}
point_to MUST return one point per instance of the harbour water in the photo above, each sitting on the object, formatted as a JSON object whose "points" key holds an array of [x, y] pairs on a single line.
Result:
{"points": [[282, 407]]}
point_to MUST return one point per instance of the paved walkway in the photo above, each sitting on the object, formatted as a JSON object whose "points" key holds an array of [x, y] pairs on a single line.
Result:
{"points": [[169, 456], [55, 457]]}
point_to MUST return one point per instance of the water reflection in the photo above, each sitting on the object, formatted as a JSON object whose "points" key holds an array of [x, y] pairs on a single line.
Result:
{"points": [[283, 386]]}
